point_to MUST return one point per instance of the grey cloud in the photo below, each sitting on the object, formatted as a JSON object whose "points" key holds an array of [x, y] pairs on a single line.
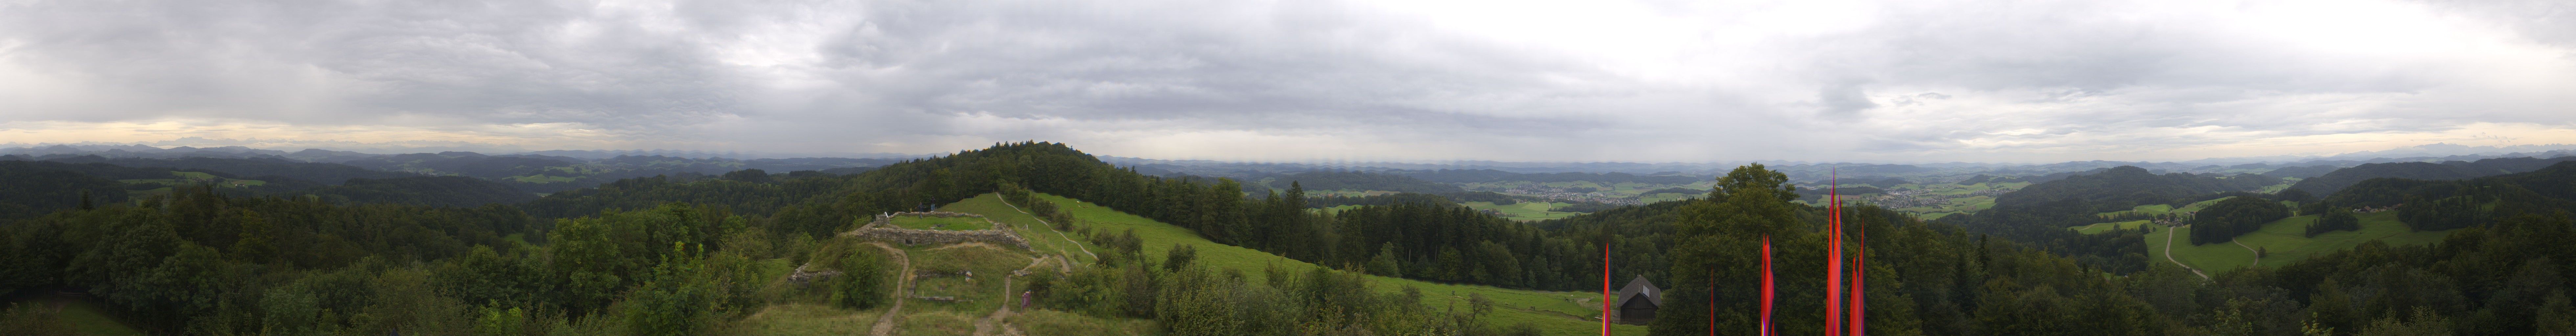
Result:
{"points": [[828, 75], [1844, 99]]}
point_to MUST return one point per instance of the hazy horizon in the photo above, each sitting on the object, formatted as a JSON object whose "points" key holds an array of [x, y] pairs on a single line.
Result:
{"points": [[2424, 150]]}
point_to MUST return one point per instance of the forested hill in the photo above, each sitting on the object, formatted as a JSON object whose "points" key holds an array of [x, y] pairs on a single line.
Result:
{"points": [[449, 191], [35, 187], [325, 173], [1490, 175], [2330, 183], [40, 187], [2302, 172], [2040, 213], [2120, 187]]}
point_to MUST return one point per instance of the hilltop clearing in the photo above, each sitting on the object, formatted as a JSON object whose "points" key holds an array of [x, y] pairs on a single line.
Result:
{"points": [[1554, 313]]}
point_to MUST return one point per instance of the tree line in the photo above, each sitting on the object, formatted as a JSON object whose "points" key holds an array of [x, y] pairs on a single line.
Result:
{"points": [[2224, 221]]}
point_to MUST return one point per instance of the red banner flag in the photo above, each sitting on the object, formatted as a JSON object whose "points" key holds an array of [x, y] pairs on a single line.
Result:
{"points": [[1833, 256], [1860, 253], [1766, 287]]}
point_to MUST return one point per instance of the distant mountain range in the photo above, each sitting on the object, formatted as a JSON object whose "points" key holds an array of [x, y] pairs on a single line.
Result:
{"points": [[1811, 173]]}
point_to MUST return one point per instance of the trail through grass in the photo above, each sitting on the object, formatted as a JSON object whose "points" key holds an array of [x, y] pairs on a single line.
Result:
{"points": [[1554, 313], [2285, 242], [1039, 233]]}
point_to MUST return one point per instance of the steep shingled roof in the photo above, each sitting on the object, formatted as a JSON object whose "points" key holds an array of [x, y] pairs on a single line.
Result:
{"points": [[1640, 286]]}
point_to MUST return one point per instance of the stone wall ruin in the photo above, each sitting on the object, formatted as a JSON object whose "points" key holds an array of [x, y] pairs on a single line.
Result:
{"points": [[881, 230]]}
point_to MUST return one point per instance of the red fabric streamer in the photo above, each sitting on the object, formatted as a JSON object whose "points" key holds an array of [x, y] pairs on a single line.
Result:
{"points": [[1766, 287]]}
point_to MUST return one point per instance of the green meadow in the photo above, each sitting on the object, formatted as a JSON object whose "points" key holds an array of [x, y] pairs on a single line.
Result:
{"points": [[1554, 313], [1525, 211], [2104, 227], [2284, 242]]}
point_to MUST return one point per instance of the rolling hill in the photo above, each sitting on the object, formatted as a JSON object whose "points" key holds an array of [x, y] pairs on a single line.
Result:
{"points": [[2333, 182], [1554, 313]]}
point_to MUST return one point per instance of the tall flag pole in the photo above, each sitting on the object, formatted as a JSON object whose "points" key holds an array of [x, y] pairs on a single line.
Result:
{"points": [[1860, 251], [1766, 286], [1605, 287], [1712, 301], [1833, 256]]}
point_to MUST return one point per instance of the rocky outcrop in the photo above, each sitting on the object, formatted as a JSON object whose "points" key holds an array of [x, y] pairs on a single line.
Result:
{"points": [[803, 276]]}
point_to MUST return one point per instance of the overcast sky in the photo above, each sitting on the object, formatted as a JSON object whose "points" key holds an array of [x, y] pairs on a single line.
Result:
{"points": [[1901, 81]]}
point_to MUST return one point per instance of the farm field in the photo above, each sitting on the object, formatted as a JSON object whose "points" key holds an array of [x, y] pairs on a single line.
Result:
{"points": [[2102, 227], [2159, 209], [1667, 197], [1525, 211], [1611, 190], [1348, 193], [2151, 209], [1554, 313], [2286, 242], [180, 178]]}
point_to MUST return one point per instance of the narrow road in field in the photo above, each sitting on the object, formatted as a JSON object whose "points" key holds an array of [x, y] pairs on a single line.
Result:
{"points": [[992, 323], [2258, 255], [885, 323], [2169, 233], [1050, 227]]}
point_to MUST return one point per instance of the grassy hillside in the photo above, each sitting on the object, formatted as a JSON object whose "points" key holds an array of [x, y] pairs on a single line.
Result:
{"points": [[1554, 313], [2100, 227], [2211, 258], [1042, 237], [1525, 211], [2285, 241], [2150, 209]]}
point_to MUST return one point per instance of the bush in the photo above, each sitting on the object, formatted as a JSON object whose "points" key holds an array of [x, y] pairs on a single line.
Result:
{"points": [[862, 282], [1179, 257], [32, 319], [2335, 219]]}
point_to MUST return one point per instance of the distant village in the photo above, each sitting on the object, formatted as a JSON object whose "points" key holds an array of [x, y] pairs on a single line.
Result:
{"points": [[1568, 195]]}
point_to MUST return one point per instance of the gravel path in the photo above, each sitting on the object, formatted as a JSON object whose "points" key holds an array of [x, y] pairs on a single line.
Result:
{"points": [[2258, 254], [1050, 227], [2169, 233], [885, 323]]}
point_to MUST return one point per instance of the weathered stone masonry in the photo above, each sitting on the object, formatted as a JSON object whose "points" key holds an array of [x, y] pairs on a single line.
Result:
{"points": [[879, 230]]}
